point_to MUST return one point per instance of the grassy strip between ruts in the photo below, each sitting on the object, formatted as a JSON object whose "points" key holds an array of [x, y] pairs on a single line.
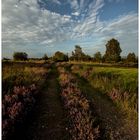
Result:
{"points": [[78, 108]]}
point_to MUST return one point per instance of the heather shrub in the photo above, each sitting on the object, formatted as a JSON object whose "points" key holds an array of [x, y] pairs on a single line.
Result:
{"points": [[15, 107], [78, 108], [20, 85]]}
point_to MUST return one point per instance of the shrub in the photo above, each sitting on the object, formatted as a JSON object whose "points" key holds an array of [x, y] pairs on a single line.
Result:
{"points": [[20, 56], [81, 121], [15, 107]]}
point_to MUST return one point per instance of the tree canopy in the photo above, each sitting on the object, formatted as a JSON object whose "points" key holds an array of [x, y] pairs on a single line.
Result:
{"points": [[45, 57], [113, 51], [112, 54], [59, 56], [131, 57], [98, 57], [79, 55], [20, 56]]}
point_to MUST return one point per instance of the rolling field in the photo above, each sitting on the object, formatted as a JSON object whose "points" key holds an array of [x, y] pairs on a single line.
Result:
{"points": [[69, 102]]}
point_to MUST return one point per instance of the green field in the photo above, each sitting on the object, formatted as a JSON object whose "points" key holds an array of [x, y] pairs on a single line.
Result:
{"points": [[122, 82]]}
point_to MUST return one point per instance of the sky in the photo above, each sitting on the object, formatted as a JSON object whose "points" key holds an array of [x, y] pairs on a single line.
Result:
{"points": [[46, 26]]}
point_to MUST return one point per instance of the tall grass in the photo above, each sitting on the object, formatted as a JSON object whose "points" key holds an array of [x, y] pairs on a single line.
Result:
{"points": [[121, 84], [20, 75]]}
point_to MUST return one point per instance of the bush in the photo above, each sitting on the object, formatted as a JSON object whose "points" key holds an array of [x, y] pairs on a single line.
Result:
{"points": [[60, 57], [20, 56]]}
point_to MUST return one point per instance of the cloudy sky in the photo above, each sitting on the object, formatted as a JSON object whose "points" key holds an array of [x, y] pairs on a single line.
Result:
{"points": [[46, 26]]}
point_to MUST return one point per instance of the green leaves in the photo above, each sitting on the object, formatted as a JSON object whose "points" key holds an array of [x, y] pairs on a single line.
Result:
{"points": [[113, 51]]}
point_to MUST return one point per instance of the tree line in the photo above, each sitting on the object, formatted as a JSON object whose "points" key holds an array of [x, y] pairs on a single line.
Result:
{"points": [[112, 55]]}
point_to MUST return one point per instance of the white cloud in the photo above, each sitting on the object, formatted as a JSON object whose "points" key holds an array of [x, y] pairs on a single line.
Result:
{"points": [[76, 13], [123, 28], [25, 25], [123, 24], [89, 23], [30, 24]]}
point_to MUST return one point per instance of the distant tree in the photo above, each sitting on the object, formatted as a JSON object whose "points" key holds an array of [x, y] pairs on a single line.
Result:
{"points": [[86, 58], [45, 57], [78, 51], [123, 59], [131, 57], [5, 59], [98, 57], [78, 54], [59, 56], [73, 57], [20, 56], [113, 51]]}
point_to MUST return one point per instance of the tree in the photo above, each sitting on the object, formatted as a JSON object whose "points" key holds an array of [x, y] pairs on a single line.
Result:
{"points": [[59, 56], [5, 59], [78, 54], [20, 56], [113, 51], [45, 57], [98, 57], [131, 57], [78, 51], [86, 57]]}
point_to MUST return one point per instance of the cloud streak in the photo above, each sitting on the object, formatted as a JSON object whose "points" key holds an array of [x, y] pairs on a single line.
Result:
{"points": [[26, 25]]}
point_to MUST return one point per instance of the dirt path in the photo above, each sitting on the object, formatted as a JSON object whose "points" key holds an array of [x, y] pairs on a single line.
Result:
{"points": [[110, 118], [48, 121]]}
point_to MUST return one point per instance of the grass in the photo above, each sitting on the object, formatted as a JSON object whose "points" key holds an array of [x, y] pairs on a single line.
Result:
{"points": [[124, 78], [17, 74], [112, 90], [119, 84], [21, 85], [97, 64]]}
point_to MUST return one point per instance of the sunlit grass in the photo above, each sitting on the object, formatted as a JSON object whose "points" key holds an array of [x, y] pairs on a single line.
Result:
{"points": [[119, 83], [124, 78], [21, 75]]}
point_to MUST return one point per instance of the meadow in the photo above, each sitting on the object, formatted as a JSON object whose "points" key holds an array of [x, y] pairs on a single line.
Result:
{"points": [[81, 101], [119, 83]]}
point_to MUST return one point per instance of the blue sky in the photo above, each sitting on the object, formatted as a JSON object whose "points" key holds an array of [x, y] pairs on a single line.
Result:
{"points": [[46, 26]]}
